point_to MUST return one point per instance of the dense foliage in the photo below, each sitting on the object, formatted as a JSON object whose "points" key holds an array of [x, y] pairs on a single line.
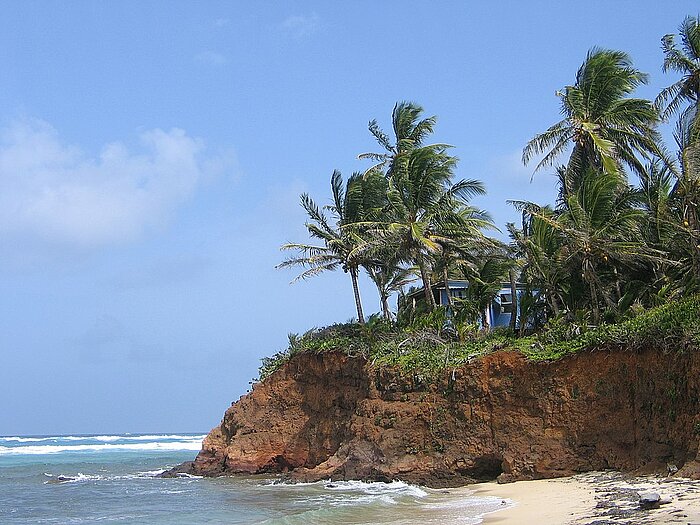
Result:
{"points": [[622, 238], [429, 351]]}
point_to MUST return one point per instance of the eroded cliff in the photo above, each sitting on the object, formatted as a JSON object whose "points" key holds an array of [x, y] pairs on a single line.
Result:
{"points": [[327, 416]]}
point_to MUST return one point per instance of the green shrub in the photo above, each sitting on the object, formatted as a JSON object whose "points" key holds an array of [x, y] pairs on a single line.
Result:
{"points": [[425, 350]]}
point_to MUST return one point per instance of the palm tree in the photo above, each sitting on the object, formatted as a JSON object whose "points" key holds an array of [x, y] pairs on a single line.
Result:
{"points": [[600, 232], [424, 208], [410, 131], [540, 245], [389, 278], [485, 281], [686, 61], [606, 128], [341, 244]]}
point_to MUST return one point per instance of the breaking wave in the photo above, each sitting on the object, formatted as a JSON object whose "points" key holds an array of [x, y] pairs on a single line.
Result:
{"points": [[15, 445]]}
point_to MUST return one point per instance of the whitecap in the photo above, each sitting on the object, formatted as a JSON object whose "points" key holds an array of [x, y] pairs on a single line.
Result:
{"points": [[194, 444], [105, 438]]}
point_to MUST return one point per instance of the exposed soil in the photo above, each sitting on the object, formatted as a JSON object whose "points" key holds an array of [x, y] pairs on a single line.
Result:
{"points": [[329, 416]]}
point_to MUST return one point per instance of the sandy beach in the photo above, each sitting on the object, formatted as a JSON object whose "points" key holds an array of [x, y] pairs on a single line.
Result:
{"points": [[598, 498]]}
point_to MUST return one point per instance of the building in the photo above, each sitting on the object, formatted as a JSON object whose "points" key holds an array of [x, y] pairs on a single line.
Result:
{"points": [[499, 311]]}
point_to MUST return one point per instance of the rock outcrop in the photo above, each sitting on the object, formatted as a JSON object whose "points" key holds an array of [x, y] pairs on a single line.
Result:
{"points": [[328, 416]]}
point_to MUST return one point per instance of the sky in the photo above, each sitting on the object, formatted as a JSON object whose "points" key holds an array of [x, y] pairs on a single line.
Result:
{"points": [[152, 154]]}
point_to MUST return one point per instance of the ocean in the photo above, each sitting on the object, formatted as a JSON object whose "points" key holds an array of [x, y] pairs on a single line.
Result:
{"points": [[113, 479]]}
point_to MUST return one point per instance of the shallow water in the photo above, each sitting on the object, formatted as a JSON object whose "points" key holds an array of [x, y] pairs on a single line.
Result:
{"points": [[113, 479]]}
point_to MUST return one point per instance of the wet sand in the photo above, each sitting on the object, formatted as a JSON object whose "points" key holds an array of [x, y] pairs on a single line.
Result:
{"points": [[608, 498]]}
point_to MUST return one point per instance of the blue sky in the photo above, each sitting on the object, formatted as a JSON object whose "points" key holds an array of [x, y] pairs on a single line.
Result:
{"points": [[152, 155]]}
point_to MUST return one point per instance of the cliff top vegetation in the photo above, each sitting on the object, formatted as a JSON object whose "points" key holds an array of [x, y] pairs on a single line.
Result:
{"points": [[427, 349]]}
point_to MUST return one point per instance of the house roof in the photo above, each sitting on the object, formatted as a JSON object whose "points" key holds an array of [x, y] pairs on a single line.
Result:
{"points": [[459, 284]]}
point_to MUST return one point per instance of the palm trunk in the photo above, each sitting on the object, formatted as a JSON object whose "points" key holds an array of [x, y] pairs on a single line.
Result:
{"points": [[446, 278], [356, 291], [427, 288], [485, 319], [425, 277], [594, 303], [553, 303], [385, 307], [513, 301]]}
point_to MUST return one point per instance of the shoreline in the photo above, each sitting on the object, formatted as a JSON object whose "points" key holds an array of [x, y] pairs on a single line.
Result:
{"points": [[594, 497]]}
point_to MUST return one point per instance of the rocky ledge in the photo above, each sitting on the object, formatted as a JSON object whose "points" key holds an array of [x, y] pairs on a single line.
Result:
{"points": [[329, 416]]}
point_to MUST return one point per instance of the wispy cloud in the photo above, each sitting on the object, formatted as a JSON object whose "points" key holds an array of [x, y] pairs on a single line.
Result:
{"points": [[54, 191], [211, 58], [300, 26], [222, 22]]}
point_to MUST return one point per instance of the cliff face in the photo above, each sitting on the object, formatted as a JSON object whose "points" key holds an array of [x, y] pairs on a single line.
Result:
{"points": [[330, 416]]}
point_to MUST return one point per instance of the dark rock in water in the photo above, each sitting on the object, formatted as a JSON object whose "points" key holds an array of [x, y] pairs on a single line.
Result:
{"points": [[179, 471], [649, 500], [60, 479], [331, 486]]}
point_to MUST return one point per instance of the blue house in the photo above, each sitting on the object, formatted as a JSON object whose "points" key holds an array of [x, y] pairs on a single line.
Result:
{"points": [[499, 311]]}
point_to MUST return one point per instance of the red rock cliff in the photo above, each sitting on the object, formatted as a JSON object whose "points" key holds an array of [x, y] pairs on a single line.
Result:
{"points": [[330, 416]]}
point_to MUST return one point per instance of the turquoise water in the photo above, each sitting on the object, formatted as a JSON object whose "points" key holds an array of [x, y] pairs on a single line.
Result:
{"points": [[112, 479]]}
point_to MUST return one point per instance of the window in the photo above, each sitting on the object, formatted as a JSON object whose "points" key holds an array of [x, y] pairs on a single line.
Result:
{"points": [[459, 293], [506, 303]]}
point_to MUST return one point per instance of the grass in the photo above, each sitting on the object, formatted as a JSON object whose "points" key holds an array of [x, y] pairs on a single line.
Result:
{"points": [[421, 350]]}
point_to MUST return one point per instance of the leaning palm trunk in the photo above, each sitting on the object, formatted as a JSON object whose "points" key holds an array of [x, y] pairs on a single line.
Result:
{"points": [[427, 288], [446, 278], [513, 301], [594, 303], [356, 291], [485, 318], [385, 306]]}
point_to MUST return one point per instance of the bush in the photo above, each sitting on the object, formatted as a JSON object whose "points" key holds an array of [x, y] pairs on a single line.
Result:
{"points": [[425, 349]]}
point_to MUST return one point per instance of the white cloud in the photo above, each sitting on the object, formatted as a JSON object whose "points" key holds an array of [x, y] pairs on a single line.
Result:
{"points": [[300, 26], [222, 22], [55, 191], [211, 58]]}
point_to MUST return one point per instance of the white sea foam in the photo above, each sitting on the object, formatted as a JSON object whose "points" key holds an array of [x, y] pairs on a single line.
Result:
{"points": [[348, 493], [105, 438], [377, 488], [80, 477], [190, 444]]}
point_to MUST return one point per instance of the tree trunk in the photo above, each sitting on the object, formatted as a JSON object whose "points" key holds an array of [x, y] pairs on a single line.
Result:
{"points": [[594, 303], [385, 306], [553, 303], [513, 301], [446, 278], [427, 288], [356, 291], [485, 319]]}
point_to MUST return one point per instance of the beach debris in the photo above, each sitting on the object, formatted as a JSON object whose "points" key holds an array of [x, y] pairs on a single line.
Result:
{"points": [[649, 500]]}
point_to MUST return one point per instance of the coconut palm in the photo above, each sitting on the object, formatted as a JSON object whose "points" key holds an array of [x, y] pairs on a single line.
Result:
{"points": [[600, 233], [410, 132], [340, 243], [606, 128], [424, 211], [485, 281], [686, 61], [539, 244], [389, 278]]}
